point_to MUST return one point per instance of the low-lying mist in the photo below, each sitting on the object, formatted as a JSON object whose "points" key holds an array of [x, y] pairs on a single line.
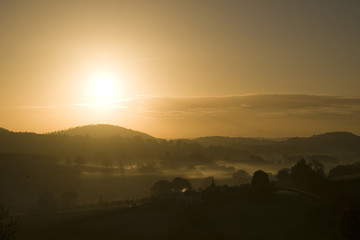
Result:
{"points": [[47, 168]]}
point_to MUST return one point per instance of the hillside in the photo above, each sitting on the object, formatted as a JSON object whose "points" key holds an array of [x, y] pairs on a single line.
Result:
{"points": [[297, 217], [332, 141], [327, 142], [103, 130], [89, 141], [3, 130], [231, 141]]}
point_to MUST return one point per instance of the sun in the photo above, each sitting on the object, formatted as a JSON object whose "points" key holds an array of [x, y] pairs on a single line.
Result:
{"points": [[103, 89]]}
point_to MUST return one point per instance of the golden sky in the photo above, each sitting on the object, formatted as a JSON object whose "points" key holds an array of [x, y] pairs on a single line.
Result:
{"points": [[51, 52]]}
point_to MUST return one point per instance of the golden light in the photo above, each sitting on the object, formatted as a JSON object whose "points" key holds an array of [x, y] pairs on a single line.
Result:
{"points": [[104, 89]]}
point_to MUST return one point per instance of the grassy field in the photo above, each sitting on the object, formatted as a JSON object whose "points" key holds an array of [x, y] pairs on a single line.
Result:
{"points": [[285, 216]]}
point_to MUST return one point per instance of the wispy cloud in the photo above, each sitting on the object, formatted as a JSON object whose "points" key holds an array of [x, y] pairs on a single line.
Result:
{"points": [[39, 107], [285, 103], [272, 115], [263, 115]]}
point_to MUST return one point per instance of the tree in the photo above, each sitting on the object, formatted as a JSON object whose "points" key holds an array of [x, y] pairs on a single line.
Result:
{"points": [[207, 182], [241, 176], [300, 173], [307, 176], [283, 177], [69, 199], [317, 167], [341, 170], [260, 182], [161, 190], [180, 185], [8, 224]]}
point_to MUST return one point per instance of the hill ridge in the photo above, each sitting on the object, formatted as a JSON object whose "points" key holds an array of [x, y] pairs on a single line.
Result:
{"points": [[102, 130]]}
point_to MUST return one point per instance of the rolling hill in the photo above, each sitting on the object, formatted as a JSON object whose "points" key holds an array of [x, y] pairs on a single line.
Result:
{"points": [[102, 130], [3, 130], [327, 142]]}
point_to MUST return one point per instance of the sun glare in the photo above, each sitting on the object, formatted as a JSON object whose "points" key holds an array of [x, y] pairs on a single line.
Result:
{"points": [[103, 89]]}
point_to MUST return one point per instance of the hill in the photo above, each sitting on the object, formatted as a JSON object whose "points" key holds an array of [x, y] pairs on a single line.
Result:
{"points": [[332, 141], [327, 142], [231, 141], [102, 130], [297, 217], [3, 130]]}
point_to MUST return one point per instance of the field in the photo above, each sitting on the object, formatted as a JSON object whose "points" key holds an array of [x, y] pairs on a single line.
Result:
{"points": [[284, 216]]}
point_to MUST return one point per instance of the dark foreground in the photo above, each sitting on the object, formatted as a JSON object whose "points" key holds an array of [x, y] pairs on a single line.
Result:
{"points": [[284, 216]]}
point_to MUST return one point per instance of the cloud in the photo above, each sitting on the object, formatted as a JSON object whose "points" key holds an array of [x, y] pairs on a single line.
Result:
{"points": [[261, 115], [265, 103], [268, 115]]}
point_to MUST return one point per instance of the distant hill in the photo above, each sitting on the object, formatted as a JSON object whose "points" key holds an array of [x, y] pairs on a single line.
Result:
{"points": [[232, 141], [102, 130], [332, 141], [327, 142], [93, 143], [3, 130], [330, 136], [67, 143]]}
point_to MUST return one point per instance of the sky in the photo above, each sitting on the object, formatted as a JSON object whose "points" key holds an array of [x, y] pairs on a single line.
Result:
{"points": [[152, 57]]}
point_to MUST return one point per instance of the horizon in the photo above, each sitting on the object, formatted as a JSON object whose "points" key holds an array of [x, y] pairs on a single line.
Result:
{"points": [[258, 115], [181, 69], [140, 132]]}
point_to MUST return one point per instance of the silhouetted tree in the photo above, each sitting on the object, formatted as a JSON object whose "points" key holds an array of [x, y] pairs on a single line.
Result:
{"points": [[307, 176], [300, 173], [317, 167], [207, 182], [180, 185], [283, 177], [69, 199], [161, 190], [342, 170], [260, 183], [240, 177], [8, 224]]}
